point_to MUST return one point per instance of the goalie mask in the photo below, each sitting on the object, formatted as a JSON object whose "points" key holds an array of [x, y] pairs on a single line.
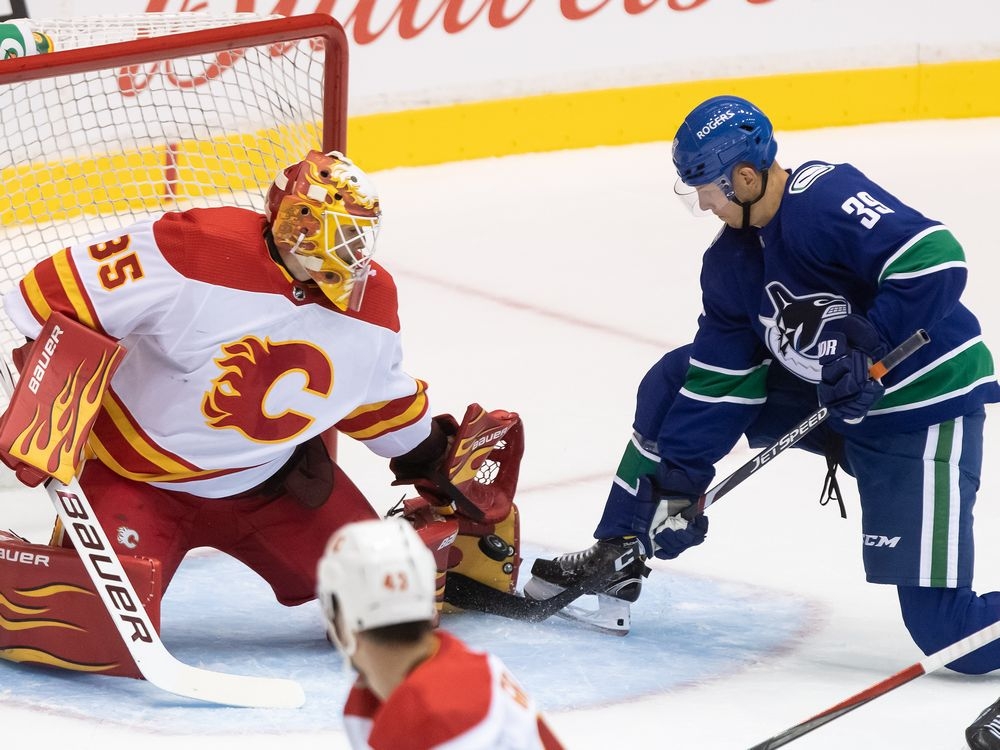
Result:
{"points": [[372, 574], [325, 211]]}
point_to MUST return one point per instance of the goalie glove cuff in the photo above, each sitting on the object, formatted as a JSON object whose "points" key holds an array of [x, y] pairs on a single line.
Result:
{"points": [[426, 459]]}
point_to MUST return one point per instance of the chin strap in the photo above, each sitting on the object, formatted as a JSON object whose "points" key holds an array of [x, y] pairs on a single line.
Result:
{"points": [[745, 205]]}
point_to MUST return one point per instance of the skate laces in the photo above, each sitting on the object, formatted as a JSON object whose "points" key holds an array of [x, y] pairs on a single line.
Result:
{"points": [[575, 558]]}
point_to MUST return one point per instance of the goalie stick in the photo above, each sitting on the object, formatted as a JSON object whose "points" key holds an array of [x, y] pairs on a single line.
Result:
{"points": [[472, 595], [517, 607], [101, 563], [157, 665], [933, 662]]}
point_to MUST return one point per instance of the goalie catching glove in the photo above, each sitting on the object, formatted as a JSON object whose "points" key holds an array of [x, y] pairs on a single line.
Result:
{"points": [[466, 475]]}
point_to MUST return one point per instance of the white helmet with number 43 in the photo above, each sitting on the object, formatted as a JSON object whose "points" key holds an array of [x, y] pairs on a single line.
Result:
{"points": [[373, 574]]}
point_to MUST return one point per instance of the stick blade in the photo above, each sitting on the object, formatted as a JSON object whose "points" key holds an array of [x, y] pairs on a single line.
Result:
{"points": [[241, 691]]}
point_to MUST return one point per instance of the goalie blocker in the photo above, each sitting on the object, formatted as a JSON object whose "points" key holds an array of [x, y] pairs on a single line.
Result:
{"points": [[65, 373]]}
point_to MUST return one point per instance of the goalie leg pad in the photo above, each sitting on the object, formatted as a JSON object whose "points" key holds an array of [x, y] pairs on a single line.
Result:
{"points": [[50, 613], [489, 553], [438, 533]]}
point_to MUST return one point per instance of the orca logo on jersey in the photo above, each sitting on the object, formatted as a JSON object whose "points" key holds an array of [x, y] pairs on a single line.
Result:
{"points": [[794, 333], [247, 396]]}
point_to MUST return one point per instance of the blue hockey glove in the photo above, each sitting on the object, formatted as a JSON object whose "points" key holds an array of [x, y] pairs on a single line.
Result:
{"points": [[668, 534], [849, 347], [678, 534]]}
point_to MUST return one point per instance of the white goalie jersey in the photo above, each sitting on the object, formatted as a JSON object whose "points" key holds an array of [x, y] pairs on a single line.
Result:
{"points": [[232, 362]]}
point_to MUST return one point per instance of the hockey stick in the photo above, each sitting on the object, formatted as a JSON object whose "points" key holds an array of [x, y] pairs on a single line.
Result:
{"points": [[521, 608], [124, 606], [790, 438], [156, 664], [468, 593], [933, 662]]}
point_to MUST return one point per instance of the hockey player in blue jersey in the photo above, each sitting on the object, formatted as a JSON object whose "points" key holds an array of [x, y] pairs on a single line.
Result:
{"points": [[816, 273]]}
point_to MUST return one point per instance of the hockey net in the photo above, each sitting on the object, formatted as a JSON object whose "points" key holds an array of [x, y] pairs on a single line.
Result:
{"points": [[133, 115], [124, 117]]}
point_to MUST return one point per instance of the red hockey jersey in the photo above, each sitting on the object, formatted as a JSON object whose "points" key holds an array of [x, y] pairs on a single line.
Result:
{"points": [[458, 699]]}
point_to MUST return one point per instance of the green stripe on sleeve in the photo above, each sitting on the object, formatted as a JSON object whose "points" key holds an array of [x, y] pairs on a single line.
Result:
{"points": [[934, 249], [954, 375]]}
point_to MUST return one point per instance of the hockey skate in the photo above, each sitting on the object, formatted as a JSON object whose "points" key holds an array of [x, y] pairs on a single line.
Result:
{"points": [[984, 732], [613, 615]]}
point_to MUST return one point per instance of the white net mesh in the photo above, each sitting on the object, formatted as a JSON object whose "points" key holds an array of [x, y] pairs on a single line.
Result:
{"points": [[115, 140]]}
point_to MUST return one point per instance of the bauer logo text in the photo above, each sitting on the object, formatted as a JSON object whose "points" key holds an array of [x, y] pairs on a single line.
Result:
{"points": [[41, 366], [104, 568], [25, 558]]}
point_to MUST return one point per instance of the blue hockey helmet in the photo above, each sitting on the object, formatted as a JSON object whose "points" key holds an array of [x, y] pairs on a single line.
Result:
{"points": [[719, 134]]}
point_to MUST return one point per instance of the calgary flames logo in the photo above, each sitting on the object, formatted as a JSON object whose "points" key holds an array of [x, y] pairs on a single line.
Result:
{"points": [[250, 370]]}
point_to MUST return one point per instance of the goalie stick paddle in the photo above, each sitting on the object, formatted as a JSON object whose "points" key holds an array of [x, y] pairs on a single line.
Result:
{"points": [[156, 664], [472, 595], [935, 661], [126, 611], [790, 438]]}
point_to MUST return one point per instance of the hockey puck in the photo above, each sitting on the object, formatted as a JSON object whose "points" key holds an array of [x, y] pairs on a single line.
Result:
{"points": [[495, 548]]}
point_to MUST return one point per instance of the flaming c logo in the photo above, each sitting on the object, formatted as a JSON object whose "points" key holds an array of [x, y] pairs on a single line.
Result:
{"points": [[250, 369]]}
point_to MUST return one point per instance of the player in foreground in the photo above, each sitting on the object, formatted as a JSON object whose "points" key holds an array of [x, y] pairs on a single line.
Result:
{"points": [[248, 337], [376, 588], [816, 273]]}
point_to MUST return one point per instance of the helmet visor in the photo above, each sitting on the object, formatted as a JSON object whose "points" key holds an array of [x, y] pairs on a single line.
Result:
{"points": [[705, 200]]}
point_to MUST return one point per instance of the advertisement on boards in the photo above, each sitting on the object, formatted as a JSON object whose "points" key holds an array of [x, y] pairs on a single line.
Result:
{"points": [[408, 54]]}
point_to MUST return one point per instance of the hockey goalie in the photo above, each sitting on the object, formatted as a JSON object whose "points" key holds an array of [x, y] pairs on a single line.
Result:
{"points": [[188, 371]]}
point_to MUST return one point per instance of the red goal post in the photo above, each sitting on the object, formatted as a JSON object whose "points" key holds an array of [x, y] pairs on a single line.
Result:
{"points": [[132, 115]]}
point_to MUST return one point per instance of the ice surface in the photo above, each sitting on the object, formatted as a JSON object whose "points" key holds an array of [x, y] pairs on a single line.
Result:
{"points": [[547, 285]]}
